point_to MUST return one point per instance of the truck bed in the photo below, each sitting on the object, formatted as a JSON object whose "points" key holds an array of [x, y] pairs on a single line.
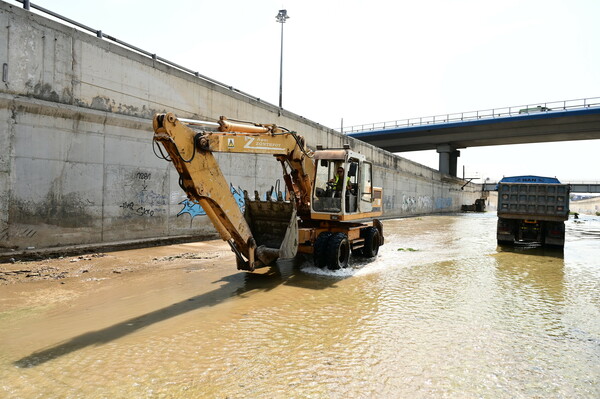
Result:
{"points": [[533, 201]]}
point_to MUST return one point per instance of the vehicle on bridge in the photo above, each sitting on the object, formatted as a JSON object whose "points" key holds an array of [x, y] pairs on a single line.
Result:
{"points": [[532, 209], [534, 110], [328, 210]]}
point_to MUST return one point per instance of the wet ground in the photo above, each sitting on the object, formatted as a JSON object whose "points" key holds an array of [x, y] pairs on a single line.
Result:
{"points": [[441, 312]]}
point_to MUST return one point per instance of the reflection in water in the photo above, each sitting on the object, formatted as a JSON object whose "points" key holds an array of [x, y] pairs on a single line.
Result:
{"points": [[441, 312]]}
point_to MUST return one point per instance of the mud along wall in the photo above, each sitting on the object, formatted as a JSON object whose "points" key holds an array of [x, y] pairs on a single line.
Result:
{"points": [[77, 165]]}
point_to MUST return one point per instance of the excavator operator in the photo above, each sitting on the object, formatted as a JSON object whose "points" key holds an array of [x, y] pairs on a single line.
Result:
{"points": [[338, 181]]}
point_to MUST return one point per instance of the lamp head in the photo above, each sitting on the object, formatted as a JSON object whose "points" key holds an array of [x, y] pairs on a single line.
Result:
{"points": [[281, 16]]}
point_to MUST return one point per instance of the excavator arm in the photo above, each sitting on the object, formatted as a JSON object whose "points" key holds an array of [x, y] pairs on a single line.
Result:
{"points": [[287, 147], [268, 229]]}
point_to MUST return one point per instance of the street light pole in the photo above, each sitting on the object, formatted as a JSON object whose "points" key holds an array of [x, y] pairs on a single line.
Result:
{"points": [[281, 17]]}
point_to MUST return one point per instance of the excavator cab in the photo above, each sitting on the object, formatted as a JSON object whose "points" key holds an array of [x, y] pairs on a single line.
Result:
{"points": [[343, 187]]}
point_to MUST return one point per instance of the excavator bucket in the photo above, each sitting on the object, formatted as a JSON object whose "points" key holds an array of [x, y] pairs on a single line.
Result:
{"points": [[274, 226]]}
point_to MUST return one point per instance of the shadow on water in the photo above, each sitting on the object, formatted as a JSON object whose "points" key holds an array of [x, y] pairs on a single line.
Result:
{"points": [[236, 285], [533, 249]]}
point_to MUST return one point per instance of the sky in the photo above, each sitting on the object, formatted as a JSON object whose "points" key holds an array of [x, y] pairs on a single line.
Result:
{"points": [[362, 62]]}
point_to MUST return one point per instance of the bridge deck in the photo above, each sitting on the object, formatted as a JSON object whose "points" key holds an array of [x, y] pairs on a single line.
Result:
{"points": [[560, 125]]}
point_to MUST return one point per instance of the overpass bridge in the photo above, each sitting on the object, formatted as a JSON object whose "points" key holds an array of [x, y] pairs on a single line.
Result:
{"points": [[547, 122]]}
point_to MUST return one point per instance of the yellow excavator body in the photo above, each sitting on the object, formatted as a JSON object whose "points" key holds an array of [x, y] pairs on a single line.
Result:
{"points": [[324, 221]]}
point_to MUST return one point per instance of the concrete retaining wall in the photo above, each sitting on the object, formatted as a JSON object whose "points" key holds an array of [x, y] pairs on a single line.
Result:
{"points": [[77, 165], [590, 206]]}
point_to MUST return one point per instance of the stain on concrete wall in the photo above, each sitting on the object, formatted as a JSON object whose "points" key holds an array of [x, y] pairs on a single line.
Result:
{"points": [[44, 91]]}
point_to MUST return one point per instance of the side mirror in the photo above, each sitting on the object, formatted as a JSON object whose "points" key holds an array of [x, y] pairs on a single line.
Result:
{"points": [[352, 170]]}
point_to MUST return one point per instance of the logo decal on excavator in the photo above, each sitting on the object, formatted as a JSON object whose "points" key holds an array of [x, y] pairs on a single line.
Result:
{"points": [[261, 144], [230, 143]]}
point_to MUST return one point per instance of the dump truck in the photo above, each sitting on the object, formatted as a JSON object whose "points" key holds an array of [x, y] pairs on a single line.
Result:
{"points": [[477, 206], [532, 209], [329, 207]]}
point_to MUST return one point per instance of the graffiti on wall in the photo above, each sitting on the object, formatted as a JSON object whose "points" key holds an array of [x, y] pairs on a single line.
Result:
{"points": [[442, 203], [147, 202], [194, 209], [425, 202], [137, 210], [144, 177], [410, 203], [389, 202]]}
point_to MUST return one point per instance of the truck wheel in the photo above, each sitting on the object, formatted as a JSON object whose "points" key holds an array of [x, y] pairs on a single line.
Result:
{"points": [[320, 249], [554, 235], [371, 236], [338, 251]]}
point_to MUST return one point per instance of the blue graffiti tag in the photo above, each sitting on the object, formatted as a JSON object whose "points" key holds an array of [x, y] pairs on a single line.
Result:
{"points": [[194, 209], [442, 203], [239, 196]]}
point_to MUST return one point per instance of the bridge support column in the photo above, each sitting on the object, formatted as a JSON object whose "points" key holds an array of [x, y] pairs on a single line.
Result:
{"points": [[448, 159]]}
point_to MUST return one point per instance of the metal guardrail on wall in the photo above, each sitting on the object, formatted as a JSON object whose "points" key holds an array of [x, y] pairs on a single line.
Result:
{"points": [[476, 115], [28, 5]]}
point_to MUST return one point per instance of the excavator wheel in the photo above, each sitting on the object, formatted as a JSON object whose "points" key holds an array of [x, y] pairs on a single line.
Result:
{"points": [[320, 249], [371, 236], [338, 251]]}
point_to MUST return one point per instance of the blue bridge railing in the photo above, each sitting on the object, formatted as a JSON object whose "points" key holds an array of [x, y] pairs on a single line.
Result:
{"points": [[475, 115]]}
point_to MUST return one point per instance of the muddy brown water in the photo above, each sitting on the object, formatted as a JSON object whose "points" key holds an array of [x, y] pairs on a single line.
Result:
{"points": [[441, 312]]}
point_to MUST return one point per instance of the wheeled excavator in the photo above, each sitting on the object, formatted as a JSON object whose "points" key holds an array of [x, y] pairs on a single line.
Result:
{"points": [[318, 214]]}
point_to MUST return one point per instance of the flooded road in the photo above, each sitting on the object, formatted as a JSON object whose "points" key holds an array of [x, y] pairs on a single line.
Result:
{"points": [[441, 312]]}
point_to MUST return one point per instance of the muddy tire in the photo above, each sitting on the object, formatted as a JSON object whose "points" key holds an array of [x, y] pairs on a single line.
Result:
{"points": [[320, 249], [338, 251], [371, 236]]}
